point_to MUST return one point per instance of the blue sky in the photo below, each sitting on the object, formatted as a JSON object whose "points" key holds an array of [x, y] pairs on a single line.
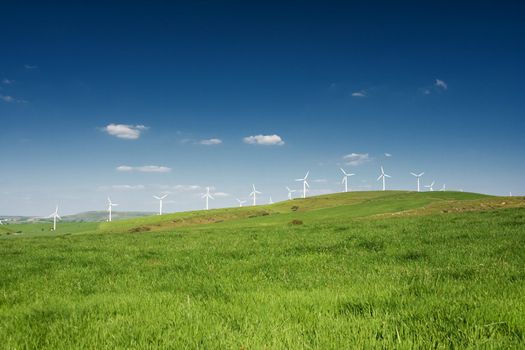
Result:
{"points": [[438, 87]]}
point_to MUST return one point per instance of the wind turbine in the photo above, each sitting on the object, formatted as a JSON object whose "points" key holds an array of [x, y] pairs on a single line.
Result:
{"points": [[431, 186], [207, 195], [2, 221], [305, 183], [240, 202], [254, 194], [417, 176], [383, 176], [110, 205], [444, 188], [160, 202], [270, 201], [345, 179], [55, 216], [290, 192]]}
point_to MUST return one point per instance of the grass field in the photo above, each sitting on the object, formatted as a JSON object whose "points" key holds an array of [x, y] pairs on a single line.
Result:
{"points": [[358, 270]]}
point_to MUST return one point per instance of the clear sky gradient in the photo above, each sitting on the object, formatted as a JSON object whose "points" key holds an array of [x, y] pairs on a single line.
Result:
{"points": [[134, 99]]}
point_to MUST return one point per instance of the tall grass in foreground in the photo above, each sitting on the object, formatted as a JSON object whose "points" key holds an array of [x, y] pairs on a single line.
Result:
{"points": [[439, 281]]}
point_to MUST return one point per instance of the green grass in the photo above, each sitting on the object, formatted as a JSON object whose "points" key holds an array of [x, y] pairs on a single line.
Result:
{"points": [[348, 277]]}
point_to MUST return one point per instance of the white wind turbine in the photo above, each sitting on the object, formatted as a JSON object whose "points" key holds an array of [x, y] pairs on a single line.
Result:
{"points": [[345, 179], [160, 202], [2, 221], [110, 206], [290, 192], [417, 176], [383, 176], [207, 195], [444, 188], [240, 202], [55, 216], [270, 201], [305, 183], [254, 194], [431, 186]]}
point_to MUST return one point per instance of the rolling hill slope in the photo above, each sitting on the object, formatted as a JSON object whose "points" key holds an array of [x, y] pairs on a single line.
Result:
{"points": [[358, 270]]}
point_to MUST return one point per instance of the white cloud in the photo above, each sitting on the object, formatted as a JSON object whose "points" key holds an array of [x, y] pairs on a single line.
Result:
{"points": [[388, 155], [211, 142], [319, 180], [124, 131], [144, 169], [7, 99], [29, 66], [7, 81], [221, 194], [361, 93], [441, 84], [356, 158], [125, 168], [11, 99], [266, 140]]}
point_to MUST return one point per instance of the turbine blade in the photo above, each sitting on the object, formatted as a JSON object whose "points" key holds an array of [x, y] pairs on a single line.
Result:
{"points": [[156, 197], [414, 174], [379, 178], [164, 196], [387, 175]]}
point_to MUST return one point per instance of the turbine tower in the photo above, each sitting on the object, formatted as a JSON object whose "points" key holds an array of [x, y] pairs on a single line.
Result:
{"points": [[290, 192], [207, 195], [417, 176], [444, 188], [55, 216], [345, 179], [240, 202], [254, 194], [305, 183], [431, 186], [110, 205], [270, 201], [383, 176], [160, 202]]}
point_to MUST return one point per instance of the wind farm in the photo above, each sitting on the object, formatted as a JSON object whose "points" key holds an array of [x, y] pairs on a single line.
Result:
{"points": [[262, 175]]}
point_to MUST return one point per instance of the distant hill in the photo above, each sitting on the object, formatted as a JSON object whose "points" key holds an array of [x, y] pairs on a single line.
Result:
{"points": [[88, 216]]}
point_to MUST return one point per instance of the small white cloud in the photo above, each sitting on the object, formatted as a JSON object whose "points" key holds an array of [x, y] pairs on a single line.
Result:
{"points": [[361, 93], [221, 194], [11, 99], [211, 142], [124, 131], [144, 169], [7, 81], [388, 155], [426, 92], [7, 99], [441, 84], [29, 66], [356, 158], [319, 180], [265, 140]]}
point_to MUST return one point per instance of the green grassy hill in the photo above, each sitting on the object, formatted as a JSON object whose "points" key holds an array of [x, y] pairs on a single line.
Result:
{"points": [[359, 270]]}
